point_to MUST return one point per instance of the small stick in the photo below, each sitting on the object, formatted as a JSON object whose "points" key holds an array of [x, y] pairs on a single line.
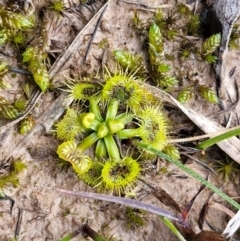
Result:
{"points": [[5, 197], [195, 6], [20, 71], [229, 120], [232, 71], [187, 149], [87, 7], [94, 33], [149, 7], [201, 163], [19, 221]]}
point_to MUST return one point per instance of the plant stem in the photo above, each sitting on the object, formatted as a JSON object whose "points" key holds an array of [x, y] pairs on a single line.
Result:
{"points": [[87, 142], [101, 150], [112, 110], [124, 118], [95, 125], [93, 107], [129, 133], [112, 148], [191, 173], [125, 201]]}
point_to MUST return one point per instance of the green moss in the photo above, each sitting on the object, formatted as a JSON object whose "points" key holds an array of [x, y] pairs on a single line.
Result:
{"points": [[227, 169], [57, 6], [104, 43], [104, 226], [4, 84], [21, 104], [163, 170], [12, 178], [234, 38], [193, 25], [134, 220], [66, 212]]}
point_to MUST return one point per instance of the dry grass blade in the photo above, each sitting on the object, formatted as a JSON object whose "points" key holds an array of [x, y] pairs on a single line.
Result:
{"points": [[124, 201], [162, 195], [219, 206]]}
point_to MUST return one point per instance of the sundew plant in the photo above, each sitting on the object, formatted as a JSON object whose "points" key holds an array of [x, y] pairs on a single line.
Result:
{"points": [[104, 116], [120, 110]]}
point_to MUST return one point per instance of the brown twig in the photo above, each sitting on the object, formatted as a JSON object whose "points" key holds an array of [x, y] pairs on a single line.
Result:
{"points": [[18, 225], [94, 33], [201, 163], [147, 6], [12, 202]]}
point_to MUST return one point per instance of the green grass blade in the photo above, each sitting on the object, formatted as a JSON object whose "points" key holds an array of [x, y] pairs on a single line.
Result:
{"points": [[67, 238], [174, 230], [191, 173], [216, 139]]}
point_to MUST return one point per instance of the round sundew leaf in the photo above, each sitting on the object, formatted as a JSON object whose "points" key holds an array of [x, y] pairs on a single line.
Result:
{"points": [[68, 151], [117, 176], [126, 90], [69, 127], [154, 127]]}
